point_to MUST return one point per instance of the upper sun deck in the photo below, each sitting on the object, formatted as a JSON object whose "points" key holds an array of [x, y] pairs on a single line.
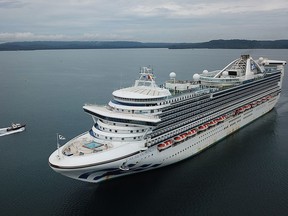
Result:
{"points": [[144, 89], [238, 72]]}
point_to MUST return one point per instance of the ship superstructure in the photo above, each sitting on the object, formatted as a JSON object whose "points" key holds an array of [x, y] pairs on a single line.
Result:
{"points": [[146, 126]]}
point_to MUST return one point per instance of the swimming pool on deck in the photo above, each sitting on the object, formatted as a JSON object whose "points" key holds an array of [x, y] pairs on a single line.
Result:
{"points": [[92, 145]]}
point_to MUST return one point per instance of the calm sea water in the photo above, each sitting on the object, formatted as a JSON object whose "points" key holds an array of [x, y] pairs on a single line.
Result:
{"points": [[244, 174]]}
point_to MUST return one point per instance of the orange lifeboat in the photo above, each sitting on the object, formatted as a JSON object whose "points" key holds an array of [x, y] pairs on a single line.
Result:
{"points": [[212, 123], [264, 99], [254, 104], [189, 134], [221, 118], [183, 135], [241, 109], [165, 145], [193, 131], [161, 146], [168, 143], [202, 127], [248, 106], [178, 139]]}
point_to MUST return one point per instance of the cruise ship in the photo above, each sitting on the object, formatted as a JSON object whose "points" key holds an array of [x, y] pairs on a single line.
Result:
{"points": [[147, 126]]}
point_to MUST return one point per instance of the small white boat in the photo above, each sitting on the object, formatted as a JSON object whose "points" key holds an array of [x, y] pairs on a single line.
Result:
{"points": [[14, 128]]}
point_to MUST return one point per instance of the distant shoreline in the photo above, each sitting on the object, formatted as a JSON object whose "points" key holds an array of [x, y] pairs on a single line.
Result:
{"points": [[213, 44]]}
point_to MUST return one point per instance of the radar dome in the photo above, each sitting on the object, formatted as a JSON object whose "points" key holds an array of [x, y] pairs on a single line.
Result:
{"points": [[261, 59], [172, 75], [196, 77], [225, 73], [205, 71]]}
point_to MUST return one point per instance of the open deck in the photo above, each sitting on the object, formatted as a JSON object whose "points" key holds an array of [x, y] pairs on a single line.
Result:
{"points": [[84, 144]]}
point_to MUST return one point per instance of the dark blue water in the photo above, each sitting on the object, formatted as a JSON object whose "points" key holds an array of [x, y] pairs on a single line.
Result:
{"points": [[244, 174]]}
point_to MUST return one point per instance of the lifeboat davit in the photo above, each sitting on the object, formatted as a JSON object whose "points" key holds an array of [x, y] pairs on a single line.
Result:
{"points": [[165, 145]]}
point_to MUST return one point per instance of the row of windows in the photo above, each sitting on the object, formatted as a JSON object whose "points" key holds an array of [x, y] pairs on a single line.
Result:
{"points": [[213, 104], [230, 90], [116, 138], [247, 116], [138, 100], [184, 97], [116, 123], [196, 122], [234, 89], [116, 131], [165, 115], [189, 124], [187, 101], [225, 98], [135, 111], [128, 121], [143, 158], [212, 134], [181, 130]]}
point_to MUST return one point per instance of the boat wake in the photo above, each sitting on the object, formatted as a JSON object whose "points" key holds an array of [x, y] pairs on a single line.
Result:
{"points": [[10, 130]]}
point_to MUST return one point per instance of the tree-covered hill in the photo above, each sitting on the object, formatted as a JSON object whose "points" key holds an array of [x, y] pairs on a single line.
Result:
{"points": [[214, 44]]}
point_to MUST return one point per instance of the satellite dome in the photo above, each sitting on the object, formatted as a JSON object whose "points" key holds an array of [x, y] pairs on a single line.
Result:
{"points": [[205, 71], [225, 73], [261, 59], [196, 77], [172, 75]]}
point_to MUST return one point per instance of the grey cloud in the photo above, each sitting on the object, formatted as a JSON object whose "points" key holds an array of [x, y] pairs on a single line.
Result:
{"points": [[11, 4], [150, 20]]}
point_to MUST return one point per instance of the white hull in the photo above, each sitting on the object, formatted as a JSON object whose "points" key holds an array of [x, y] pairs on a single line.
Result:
{"points": [[146, 127], [3, 131], [153, 158]]}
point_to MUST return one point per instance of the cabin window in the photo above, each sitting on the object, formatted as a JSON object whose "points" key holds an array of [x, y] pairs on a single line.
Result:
{"points": [[232, 73]]}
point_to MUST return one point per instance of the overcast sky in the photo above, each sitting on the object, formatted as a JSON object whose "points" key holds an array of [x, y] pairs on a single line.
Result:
{"points": [[143, 20]]}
